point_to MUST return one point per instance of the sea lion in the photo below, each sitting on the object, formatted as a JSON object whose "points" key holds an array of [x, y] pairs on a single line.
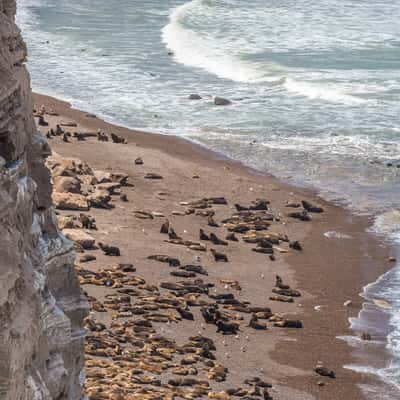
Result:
{"points": [[123, 197], [183, 274], [287, 292], [279, 283], [203, 235], [301, 215], [172, 234], [232, 237], [219, 257], [323, 371], [211, 222], [139, 161], [217, 241], [165, 227], [118, 139], [65, 138], [295, 246], [311, 208], [195, 268], [173, 262], [87, 221], [255, 324], [41, 121], [287, 323], [110, 250], [101, 137], [153, 176], [59, 130], [227, 328], [185, 314]]}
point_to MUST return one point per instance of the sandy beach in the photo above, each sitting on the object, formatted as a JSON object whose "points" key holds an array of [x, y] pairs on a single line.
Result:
{"points": [[326, 270]]}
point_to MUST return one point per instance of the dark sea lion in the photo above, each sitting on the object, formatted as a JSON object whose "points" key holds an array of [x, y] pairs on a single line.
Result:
{"points": [[203, 235], [217, 241], [219, 257], [110, 250]]}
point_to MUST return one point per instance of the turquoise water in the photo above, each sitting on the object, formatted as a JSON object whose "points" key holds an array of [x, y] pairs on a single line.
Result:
{"points": [[315, 87]]}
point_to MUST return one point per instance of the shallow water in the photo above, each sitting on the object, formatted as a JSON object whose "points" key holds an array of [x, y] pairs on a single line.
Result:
{"points": [[315, 89]]}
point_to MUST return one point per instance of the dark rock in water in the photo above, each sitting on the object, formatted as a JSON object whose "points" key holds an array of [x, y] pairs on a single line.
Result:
{"points": [[195, 97], [220, 101], [366, 336]]}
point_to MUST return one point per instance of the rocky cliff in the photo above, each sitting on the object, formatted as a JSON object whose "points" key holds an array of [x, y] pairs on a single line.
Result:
{"points": [[41, 305]]}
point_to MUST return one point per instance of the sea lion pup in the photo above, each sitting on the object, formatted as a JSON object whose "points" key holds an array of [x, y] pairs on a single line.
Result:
{"points": [[279, 283], [311, 208], [173, 262], [323, 371], [203, 235], [207, 314], [80, 136], [289, 323], [65, 138], [219, 257], [301, 215], [87, 221], [48, 135], [216, 240], [287, 292], [211, 222], [139, 161], [59, 130], [255, 324], [165, 227], [123, 197], [232, 237], [227, 328], [109, 250], [185, 314], [296, 246], [41, 121], [172, 234], [118, 139]]}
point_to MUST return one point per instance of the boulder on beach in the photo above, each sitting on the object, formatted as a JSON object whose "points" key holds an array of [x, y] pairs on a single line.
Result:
{"points": [[85, 240], [70, 201], [67, 184], [220, 101]]}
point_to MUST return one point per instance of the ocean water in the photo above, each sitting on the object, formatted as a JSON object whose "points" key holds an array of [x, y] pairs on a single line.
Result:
{"points": [[314, 85]]}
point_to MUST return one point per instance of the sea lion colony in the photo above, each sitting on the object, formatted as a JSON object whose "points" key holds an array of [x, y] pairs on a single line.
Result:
{"points": [[127, 355]]}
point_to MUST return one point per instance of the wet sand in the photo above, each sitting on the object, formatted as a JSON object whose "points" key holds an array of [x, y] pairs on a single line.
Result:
{"points": [[327, 272]]}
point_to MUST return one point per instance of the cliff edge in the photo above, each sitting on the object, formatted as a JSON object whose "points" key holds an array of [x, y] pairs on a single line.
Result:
{"points": [[41, 305]]}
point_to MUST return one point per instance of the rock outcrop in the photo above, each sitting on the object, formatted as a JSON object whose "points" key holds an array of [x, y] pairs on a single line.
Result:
{"points": [[41, 304]]}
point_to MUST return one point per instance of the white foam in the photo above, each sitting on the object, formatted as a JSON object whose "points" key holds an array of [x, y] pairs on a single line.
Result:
{"points": [[321, 92], [199, 51], [337, 235]]}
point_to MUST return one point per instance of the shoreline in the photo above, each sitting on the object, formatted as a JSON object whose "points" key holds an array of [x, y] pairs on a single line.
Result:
{"points": [[312, 271]]}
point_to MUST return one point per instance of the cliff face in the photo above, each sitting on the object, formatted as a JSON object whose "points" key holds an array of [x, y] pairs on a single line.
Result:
{"points": [[41, 305]]}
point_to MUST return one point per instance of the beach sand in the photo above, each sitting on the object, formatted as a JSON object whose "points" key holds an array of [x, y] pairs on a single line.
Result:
{"points": [[328, 271]]}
